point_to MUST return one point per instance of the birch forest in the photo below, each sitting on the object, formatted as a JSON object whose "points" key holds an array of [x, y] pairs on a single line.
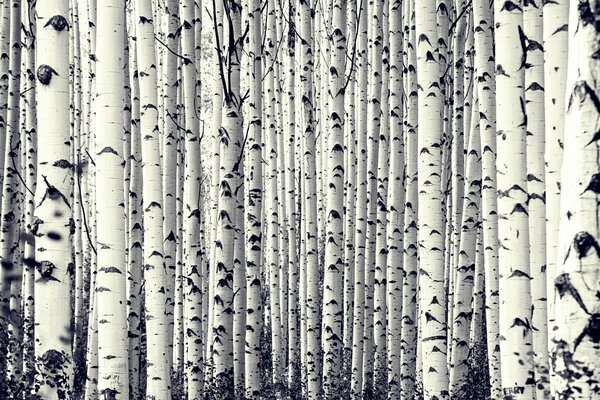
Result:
{"points": [[299, 199]]}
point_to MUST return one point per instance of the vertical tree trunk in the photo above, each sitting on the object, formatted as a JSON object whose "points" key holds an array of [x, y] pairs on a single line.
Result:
{"points": [[333, 275], [135, 229], [158, 373], [271, 210], [361, 203], [575, 339], [395, 203], [513, 229], [113, 374], [53, 209], [191, 211], [230, 159], [253, 208], [534, 107], [169, 153], [432, 302], [10, 266], [30, 181], [313, 307], [486, 89], [375, 41], [465, 273], [555, 35]]}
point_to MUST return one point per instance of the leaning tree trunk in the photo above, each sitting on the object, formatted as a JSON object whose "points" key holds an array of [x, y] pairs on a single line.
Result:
{"points": [[53, 214], [575, 352]]}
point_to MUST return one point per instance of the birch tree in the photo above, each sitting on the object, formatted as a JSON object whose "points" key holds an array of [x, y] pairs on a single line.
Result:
{"points": [[432, 302], [333, 278], [575, 350], [513, 224], [53, 213], [111, 287], [158, 381]]}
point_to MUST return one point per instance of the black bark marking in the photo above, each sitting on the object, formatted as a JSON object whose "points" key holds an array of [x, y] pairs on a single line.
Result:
{"points": [[54, 235], [108, 149], [563, 284], [594, 184], [581, 89], [45, 73], [510, 6], [45, 269], [64, 164], [58, 22]]}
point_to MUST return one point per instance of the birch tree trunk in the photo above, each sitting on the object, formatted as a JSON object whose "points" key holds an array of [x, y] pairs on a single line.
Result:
{"points": [[575, 340], [158, 380], [395, 203], [513, 227], [486, 88], [313, 301], [534, 107], [10, 266], [409, 325], [229, 133], [253, 208], [191, 212], [432, 301], [555, 36], [333, 276], [53, 214], [113, 373], [361, 204]]}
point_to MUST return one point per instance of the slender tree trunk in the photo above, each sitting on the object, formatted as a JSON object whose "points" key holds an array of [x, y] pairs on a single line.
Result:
{"points": [[513, 229], [272, 209], [10, 272], [313, 307], [361, 203], [395, 203], [333, 278], [534, 107], [555, 36], [191, 211], [30, 181], [53, 208], [135, 229], [169, 154], [230, 159], [486, 89], [432, 302], [158, 373], [409, 321], [253, 208], [113, 374], [375, 41]]}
